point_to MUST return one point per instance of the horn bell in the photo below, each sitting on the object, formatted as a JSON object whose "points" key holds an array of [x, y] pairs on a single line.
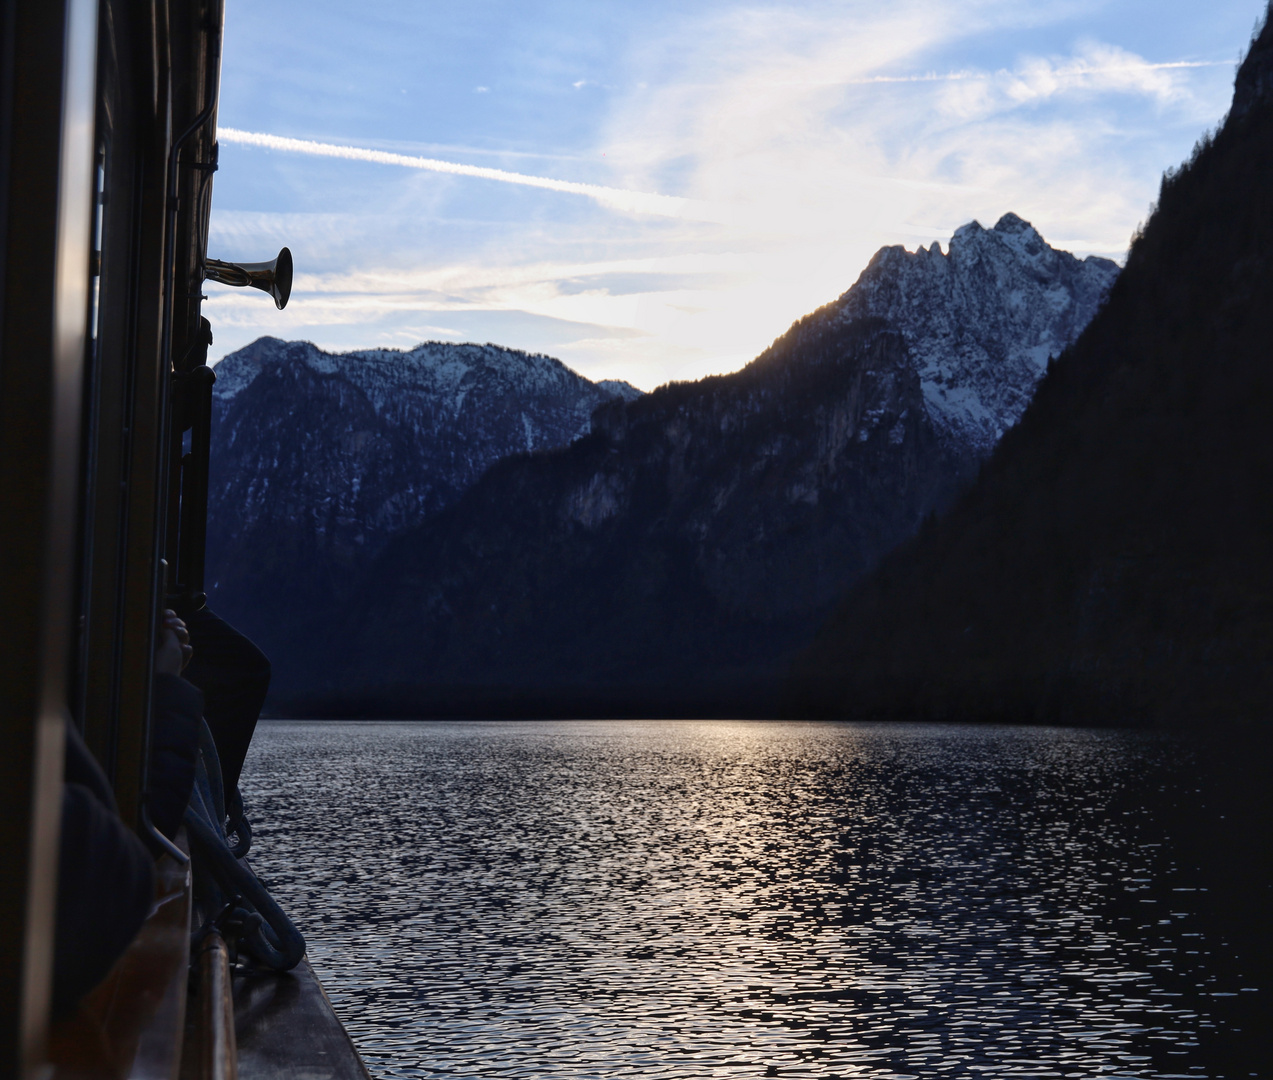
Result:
{"points": [[273, 277]]}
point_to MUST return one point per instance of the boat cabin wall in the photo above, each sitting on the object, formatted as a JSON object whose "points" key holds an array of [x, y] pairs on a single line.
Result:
{"points": [[99, 290]]}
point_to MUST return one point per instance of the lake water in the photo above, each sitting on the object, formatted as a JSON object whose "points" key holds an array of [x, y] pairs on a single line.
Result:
{"points": [[717, 899]]}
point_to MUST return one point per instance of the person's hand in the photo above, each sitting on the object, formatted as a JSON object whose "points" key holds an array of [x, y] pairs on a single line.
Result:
{"points": [[174, 651]]}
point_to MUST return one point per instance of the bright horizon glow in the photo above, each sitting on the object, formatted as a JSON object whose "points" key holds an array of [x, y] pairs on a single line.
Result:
{"points": [[658, 191]]}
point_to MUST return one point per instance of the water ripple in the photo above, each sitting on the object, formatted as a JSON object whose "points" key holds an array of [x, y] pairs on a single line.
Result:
{"points": [[741, 899]]}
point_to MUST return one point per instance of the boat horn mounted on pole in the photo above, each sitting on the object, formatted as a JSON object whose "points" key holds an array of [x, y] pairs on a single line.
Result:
{"points": [[273, 277]]}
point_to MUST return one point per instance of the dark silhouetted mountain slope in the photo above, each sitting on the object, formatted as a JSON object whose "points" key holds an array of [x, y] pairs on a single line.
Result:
{"points": [[1114, 561], [674, 559]]}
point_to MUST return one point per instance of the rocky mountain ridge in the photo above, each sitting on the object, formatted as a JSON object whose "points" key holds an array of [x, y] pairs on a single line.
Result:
{"points": [[981, 320], [446, 411]]}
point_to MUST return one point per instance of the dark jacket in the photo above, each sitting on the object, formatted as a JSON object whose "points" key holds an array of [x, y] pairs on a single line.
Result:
{"points": [[106, 875]]}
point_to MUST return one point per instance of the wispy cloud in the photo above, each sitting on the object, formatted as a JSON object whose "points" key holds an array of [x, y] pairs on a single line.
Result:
{"points": [[1096, 68]]}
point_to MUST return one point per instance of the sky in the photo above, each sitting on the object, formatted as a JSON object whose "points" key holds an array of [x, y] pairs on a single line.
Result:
{"points": [[656, 190]]}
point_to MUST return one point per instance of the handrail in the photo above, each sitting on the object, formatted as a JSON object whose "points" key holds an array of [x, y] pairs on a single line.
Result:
{"points": [[217, 1055]]}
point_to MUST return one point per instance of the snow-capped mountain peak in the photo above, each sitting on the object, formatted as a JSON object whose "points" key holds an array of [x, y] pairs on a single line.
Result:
{"points": [[982, 319], [370, 442]]}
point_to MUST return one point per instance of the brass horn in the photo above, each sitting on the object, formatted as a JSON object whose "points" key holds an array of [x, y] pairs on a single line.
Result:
{"points": [[273, 277]]}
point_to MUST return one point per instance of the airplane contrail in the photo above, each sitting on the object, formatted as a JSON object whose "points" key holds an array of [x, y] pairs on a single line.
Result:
{"points": [[638, 202]]}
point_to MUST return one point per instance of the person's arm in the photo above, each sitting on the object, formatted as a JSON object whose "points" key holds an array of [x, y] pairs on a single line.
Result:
{"points": [[176, 717]]}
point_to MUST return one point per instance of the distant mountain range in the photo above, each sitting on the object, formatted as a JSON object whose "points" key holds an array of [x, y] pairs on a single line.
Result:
{"points": [[674, 558], [319, 459], [1112, 563]]}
